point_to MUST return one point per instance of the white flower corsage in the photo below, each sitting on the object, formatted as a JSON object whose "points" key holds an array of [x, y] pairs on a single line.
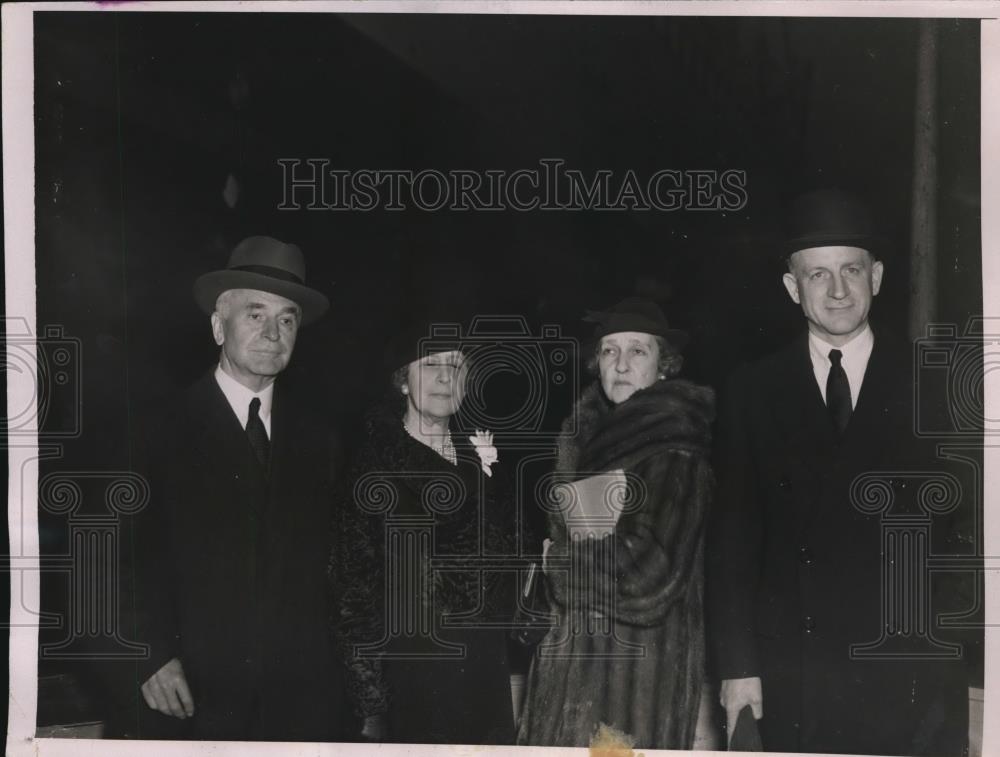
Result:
{"points": [[483, 443]]}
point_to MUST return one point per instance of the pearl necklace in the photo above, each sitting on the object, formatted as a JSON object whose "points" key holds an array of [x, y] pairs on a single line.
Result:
{"points": [[445, 449]]}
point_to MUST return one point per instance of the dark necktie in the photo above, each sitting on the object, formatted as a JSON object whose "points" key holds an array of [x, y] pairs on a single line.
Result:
{"points": [[838, 392], [257, 434]]}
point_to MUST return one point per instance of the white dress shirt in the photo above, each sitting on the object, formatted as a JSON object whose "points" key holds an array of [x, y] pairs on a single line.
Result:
{"points": [[239, 399], [855, 355]]}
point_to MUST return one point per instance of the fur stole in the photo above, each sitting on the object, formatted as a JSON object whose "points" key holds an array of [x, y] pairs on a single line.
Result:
{"points": [[672, 414]]}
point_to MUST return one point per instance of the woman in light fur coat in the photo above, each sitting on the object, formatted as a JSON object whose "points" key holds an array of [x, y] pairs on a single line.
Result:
{"points": [[627, 650]]}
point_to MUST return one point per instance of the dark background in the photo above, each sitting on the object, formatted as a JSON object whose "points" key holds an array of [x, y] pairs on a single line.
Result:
{"points": [[141, 117]]}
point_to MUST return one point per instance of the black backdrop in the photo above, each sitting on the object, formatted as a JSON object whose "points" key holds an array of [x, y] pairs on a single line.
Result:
{"points": [[141, 117]]}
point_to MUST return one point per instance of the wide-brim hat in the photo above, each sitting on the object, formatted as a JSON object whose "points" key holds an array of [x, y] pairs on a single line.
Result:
{"points": [[830, 218], [635, 314], [266, 264]]}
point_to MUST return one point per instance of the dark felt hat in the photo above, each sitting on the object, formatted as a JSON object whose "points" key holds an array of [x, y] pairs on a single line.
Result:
{"points": [[635, 314], [422, 337], [830, 218], [266, 264]]}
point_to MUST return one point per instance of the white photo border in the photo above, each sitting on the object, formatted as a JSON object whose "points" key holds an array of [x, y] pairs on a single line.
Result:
{"points": [[19, 235]]}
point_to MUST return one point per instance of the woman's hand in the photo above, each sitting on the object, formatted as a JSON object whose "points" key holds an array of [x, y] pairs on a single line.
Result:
{"points": [[375, 727]]}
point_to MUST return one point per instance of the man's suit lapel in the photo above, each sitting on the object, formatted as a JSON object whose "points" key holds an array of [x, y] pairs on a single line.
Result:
{"points": [[866, 432], [805, 422], [218, 436], [805, 417], [282, 435], [813, 442], [803, 414]]}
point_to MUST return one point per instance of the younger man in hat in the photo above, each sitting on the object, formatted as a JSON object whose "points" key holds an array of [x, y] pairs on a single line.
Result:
{"points": [[228, 559], [795, 570]]}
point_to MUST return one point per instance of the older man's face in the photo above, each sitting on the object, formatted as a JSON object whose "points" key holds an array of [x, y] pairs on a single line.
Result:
{"points": [[256, 331], [835, 287]]}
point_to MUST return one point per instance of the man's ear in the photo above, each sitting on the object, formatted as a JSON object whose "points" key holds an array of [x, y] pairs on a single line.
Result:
{"points": [[217, 331], [791, 284], [877, 270]]}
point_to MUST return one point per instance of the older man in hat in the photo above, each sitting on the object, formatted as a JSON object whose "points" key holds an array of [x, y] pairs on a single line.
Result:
{"points": [[228, 559], [795, 574]]}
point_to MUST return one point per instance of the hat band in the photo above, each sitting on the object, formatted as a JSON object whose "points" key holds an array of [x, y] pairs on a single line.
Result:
{"points": [[274, 273]]}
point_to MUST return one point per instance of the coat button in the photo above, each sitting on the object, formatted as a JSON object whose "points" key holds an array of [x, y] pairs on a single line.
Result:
{"points": [[808, 623], [805, 556]]}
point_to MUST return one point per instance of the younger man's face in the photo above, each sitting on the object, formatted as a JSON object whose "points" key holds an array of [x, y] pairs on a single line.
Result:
{"points": [[835, 287]]}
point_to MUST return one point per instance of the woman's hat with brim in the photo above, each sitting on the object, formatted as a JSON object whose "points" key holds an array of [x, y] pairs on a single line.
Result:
{"points": [[422, 337], [830, 218], [636, 314], [268, 265]]}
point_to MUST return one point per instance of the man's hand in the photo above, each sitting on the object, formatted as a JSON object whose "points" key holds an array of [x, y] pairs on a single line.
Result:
{"points": [[167, 691], [737, 693]]}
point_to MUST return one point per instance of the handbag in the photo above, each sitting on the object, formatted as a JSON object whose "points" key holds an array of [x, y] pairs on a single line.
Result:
{"points": [[533, 616]]}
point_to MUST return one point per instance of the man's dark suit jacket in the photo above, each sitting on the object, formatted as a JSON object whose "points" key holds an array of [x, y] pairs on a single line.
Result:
{"points": [[795, 569], [226, 571]]}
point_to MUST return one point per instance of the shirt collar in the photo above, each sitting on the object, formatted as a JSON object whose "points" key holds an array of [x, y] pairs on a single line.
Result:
{"points": [[856, 351], [240, 396]]}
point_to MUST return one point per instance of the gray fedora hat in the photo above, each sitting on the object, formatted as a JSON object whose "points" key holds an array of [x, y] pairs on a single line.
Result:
{"points": [[266, 264]]}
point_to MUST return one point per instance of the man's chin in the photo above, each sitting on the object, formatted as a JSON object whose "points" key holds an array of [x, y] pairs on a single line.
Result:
{"points": [[270, 367], [841, 327]]}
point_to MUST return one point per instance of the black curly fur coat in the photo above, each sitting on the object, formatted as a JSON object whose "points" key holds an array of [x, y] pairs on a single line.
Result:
{"points": [[469, 515], [636, 595]]}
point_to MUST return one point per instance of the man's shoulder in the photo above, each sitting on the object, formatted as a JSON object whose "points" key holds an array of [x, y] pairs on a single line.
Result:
{"points": [[894, 346], [163, 426], [295, 408], [165, 400], [190, 402], [777, 363]]}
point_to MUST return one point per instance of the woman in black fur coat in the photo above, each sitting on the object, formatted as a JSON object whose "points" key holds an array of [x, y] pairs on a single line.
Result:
{"points": [[422, 504], [628, 649]]}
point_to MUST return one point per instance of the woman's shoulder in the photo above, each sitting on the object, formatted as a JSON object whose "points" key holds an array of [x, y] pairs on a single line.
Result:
{"points": [[684, 393], [383, 440]]}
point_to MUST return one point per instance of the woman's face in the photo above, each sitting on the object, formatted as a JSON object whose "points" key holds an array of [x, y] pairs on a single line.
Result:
{"points": [[627, 362], [435, 384]]}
